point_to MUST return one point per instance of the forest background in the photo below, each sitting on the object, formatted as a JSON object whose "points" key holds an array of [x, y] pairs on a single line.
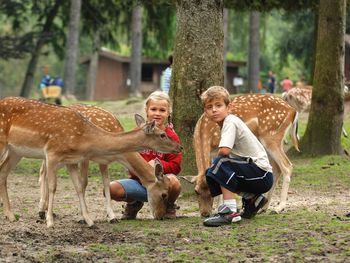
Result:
{"points": [[286, 39]]}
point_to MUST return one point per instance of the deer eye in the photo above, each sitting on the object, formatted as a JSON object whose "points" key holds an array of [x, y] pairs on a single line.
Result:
{"points": [[163, 136]]}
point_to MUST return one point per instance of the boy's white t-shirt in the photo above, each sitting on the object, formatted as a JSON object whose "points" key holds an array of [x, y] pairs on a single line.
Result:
{"points": [[236, 135]]}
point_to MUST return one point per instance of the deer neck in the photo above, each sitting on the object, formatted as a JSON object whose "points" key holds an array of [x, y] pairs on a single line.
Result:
{"points": [[108, 143], [141, 168]]}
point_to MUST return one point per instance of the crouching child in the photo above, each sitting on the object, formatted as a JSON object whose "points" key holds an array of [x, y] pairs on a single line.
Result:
{"points": [[241, 167]]}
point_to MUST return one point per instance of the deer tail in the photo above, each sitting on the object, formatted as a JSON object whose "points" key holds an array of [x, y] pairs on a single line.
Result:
{"points": [[294, 132]]}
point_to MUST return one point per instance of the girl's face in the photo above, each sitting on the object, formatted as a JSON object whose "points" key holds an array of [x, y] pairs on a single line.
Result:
{"points": [[158, 110]]}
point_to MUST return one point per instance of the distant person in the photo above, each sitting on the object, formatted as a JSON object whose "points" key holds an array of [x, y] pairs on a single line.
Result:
{"points": [[286, 84], [260, 86], [301, 82], [46, 79], [167, 76], [58, 81], [272, 82]]}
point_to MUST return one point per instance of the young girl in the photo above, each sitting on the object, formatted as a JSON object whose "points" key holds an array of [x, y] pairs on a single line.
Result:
{"points": [[158, 109]]}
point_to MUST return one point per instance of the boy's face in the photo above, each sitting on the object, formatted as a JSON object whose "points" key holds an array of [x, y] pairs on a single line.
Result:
{"points": [[216, 110]]}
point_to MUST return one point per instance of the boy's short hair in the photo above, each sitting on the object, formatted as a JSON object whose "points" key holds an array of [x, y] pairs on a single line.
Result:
{"points": [[215, 92]]}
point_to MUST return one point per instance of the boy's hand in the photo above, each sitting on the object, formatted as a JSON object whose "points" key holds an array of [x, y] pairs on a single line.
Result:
{"points": [[224, 151]]}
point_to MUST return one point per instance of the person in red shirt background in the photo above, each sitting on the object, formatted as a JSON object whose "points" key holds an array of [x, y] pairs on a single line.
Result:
{"points": [[286, 84], [158, 108]]}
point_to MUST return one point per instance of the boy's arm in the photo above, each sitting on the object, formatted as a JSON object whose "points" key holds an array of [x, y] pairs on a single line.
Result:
{"points": [[224, 151]]}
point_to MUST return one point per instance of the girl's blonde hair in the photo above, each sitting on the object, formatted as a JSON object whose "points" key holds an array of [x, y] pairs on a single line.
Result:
{"points": [[160, 95], [215, 92]]}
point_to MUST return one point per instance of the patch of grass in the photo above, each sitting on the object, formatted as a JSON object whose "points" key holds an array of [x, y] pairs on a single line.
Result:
{"points": [[294, 235], [120, 251], [28, 166], [327, 172]]}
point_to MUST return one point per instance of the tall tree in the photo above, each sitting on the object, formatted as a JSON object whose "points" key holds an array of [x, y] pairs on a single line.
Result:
{"points": [[323, 131], [198, 64], [72, 47], [254, 53], [91, 79], [136, 51], [43, 38]]}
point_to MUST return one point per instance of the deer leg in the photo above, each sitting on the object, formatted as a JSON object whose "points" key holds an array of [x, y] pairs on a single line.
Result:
{"points": [[104, 172], [79, 188], [84, 172], [5, 168], [276, 174], [44, 194], [286, 167], [286, 170], [51, 173]]}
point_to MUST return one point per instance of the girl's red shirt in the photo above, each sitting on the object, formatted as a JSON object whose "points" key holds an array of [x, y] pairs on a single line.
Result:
{"points": [[171, 162]]}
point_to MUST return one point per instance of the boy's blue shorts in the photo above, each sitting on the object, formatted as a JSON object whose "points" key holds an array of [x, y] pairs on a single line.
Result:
{"points": [[237, 175]]}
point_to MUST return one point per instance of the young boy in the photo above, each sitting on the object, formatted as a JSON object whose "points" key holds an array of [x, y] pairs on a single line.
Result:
{"points": [[242, 165]]}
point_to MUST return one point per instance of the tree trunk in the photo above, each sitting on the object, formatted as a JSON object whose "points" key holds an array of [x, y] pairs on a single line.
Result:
{"points": [[254, 53], [72, 47], [136, 51], [198, 64], [225, 45], [323, 131], [44, 37], [91, 81]]}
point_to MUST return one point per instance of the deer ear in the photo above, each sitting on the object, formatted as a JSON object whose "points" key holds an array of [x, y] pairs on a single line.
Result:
{"points": [[189, 178], [139, 120], [159, 172], [150, 127]]}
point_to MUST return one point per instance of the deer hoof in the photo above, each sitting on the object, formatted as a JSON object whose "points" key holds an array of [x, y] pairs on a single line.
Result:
{"points": [[11, 217], [113, 221], [82, 222], [42, 215]]}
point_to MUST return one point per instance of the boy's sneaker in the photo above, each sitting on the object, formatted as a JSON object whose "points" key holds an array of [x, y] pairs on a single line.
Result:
{"points": [[224, 216], [131, 210], [253, 205]]}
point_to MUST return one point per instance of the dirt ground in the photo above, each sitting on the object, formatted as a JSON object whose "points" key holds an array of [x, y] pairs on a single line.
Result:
{"points": [[29, 240]]}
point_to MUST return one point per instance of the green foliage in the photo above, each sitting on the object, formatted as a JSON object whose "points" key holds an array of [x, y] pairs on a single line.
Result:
{"points": [[268, 5], [299, 44]]}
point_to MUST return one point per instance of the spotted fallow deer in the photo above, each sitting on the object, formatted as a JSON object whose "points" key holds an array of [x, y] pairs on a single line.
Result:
{"points": [[269, 118], [300, 99], [61, 136], [157, 185]]}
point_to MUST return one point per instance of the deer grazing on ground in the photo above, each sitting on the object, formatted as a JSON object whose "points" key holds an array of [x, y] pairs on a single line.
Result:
{"points": [[157, 185], [61, 136], [269, 118]]}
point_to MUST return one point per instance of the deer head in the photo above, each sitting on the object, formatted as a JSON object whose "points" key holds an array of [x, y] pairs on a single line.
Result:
{"points": [[155, 137], [158, 192]]}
